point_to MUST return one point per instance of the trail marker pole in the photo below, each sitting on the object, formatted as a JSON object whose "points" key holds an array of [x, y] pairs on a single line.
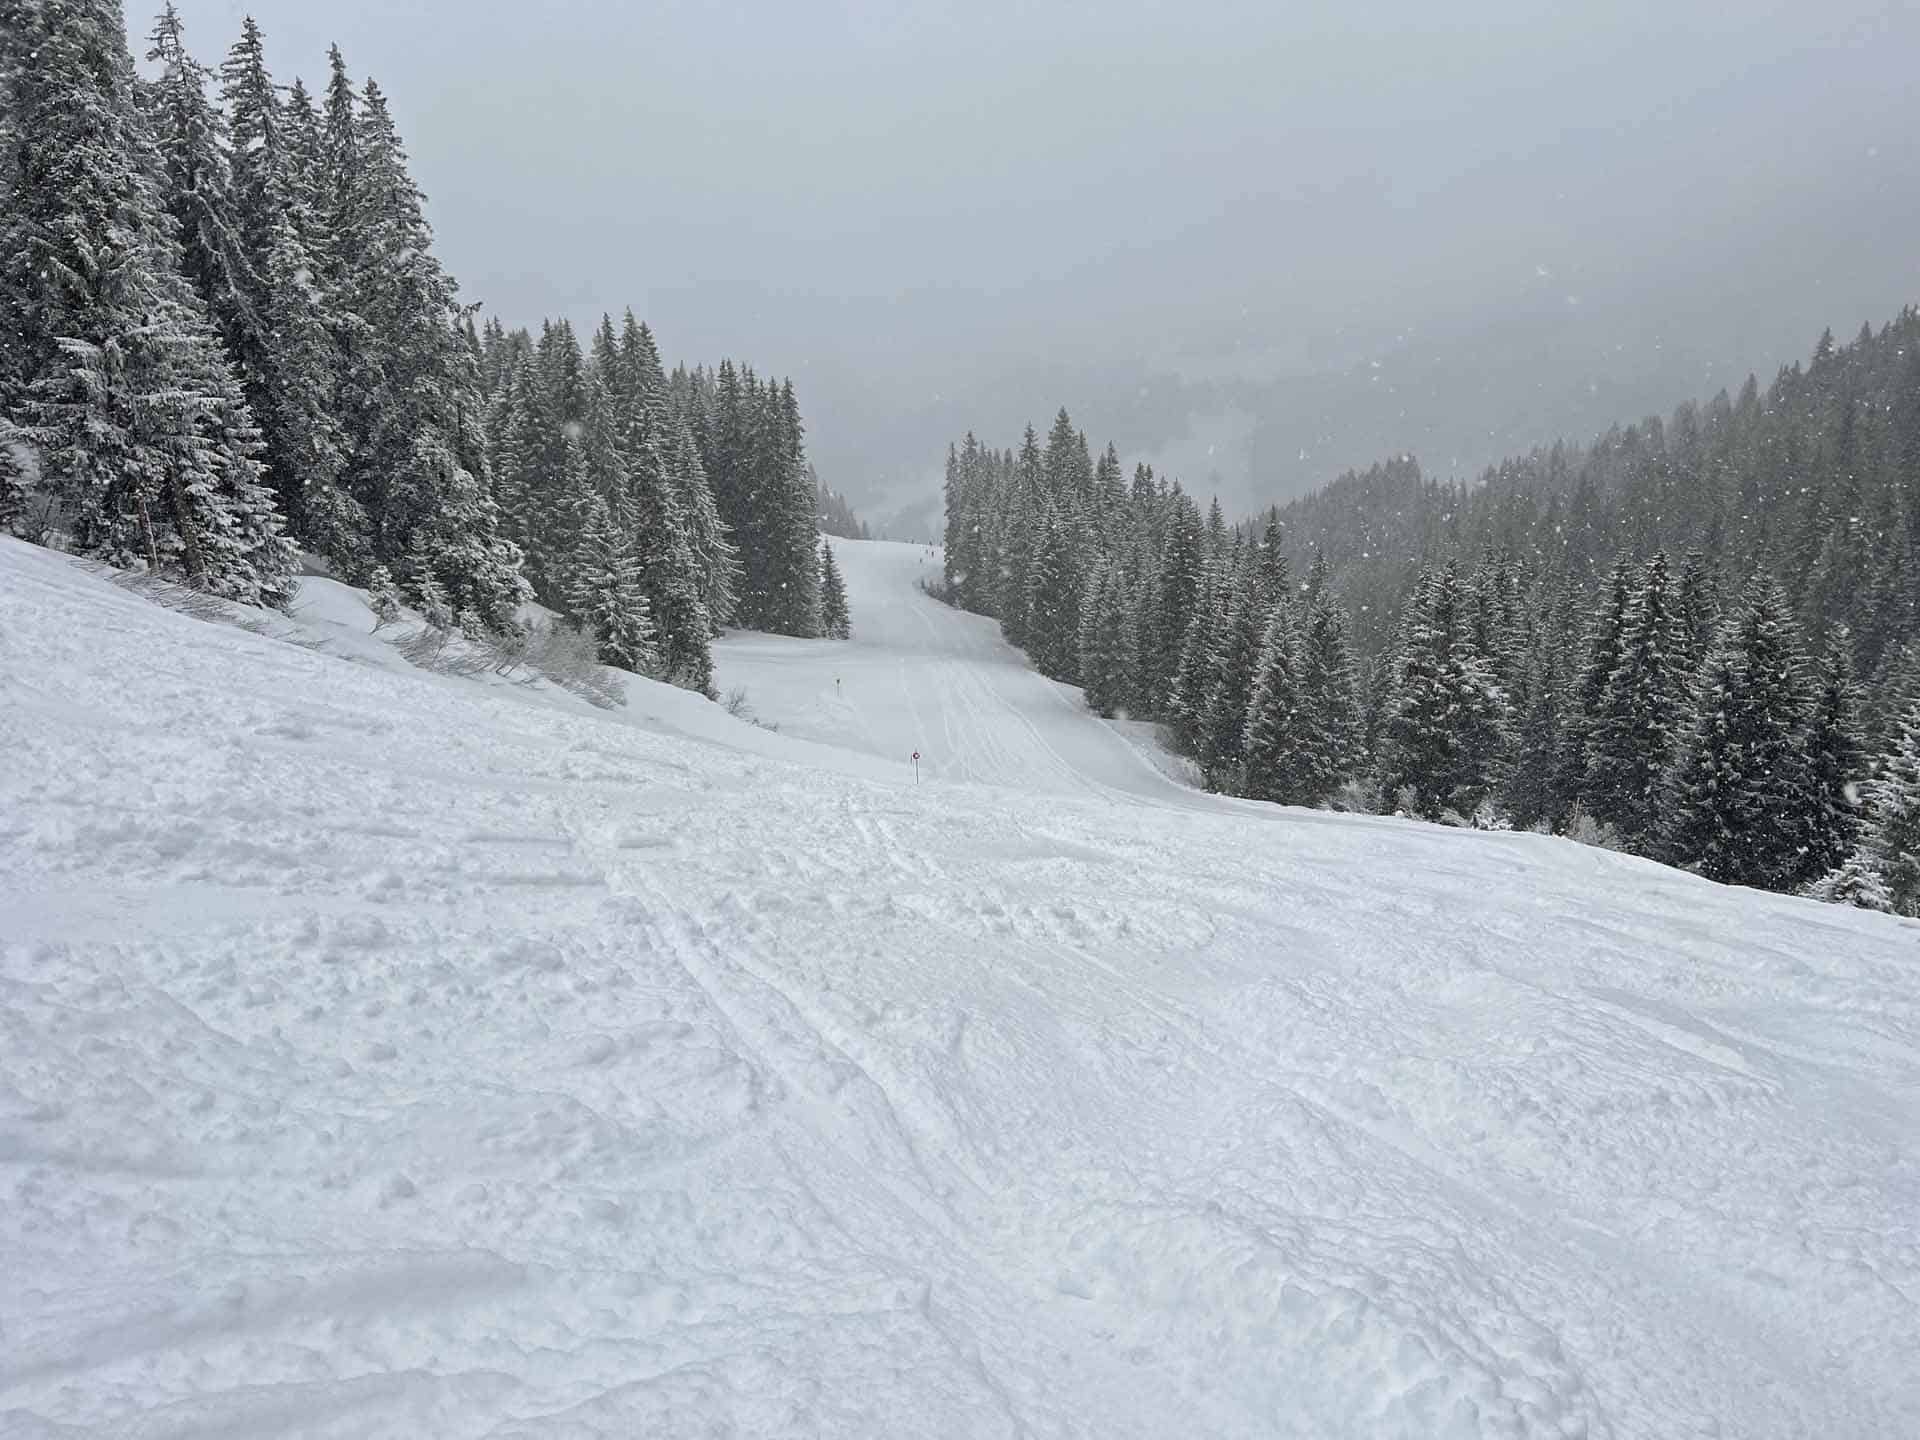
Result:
{"points": [[916, 767]]}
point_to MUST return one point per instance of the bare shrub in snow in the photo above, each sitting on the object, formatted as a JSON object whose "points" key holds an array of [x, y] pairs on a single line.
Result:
{"points": [[1588, 831], [736, 705], [423, 647], [569, 657], [1358, 797], [1482, 817]]}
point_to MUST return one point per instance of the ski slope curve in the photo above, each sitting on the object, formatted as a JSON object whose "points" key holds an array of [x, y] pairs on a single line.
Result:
{"points": [[391, 1054]]}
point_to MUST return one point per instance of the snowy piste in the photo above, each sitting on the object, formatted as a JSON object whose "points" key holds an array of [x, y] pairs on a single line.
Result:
{"points": [[389, 1053]]}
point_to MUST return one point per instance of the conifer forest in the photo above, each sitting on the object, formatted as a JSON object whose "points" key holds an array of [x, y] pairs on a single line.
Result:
{"points": [[233, 342], [1692, 638]]}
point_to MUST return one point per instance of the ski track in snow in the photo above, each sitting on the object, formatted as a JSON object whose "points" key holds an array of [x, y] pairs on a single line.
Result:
{"points": [[391, 1054]]}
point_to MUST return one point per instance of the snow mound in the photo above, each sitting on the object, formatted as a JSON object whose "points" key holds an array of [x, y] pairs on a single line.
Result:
{"points": [[383, 1053]]}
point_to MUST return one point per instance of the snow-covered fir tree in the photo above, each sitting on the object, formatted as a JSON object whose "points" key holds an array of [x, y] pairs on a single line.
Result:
{"points": [[609, 597], [282, 342], [1836, 767], [1882, 872], [1634, 733], [13, 479], [1743, 786], [715, 556], [1445, 725], [834, 619], [190, 133], [1279, 760], [1892, 841], [383, 596], [116, 377], [1197, 674], [1224, 729], [1331, 739], [1606, 638], [1053, 595]]}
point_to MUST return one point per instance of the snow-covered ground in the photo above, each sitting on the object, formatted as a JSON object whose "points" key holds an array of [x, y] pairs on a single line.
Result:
{"points": [[918, 675], [384, 1053]]}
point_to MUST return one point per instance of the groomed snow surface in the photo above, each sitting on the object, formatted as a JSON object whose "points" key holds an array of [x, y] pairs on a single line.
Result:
{"points": [[385, 1053]]}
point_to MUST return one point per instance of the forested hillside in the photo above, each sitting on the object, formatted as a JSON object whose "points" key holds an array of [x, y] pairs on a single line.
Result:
{"points": [[1652, 641], [837, 517], [233, 339]]}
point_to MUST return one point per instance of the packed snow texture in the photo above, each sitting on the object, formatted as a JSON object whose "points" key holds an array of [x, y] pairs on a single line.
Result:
{"points": [[389, 1053]]}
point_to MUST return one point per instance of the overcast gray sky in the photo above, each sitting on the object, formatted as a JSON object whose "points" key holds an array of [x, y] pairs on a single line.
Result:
{"points": [[1210, 228]]}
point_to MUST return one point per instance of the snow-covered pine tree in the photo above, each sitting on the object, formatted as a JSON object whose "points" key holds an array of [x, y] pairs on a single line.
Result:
{"points": [[1109, 644], [725, 451], [608, 596], [1110, 500], [196, 185], [482, 572], [1743, 788], [714, 555], [1333, 749], [666, 489], [13, 480], [1053, 596], [429, 595], [1893, 689], [408, 378], [1581, 710], [117, 379], [1892, 838], [283, 343], [1094, 645], [1528, 794], [529, 491], [1277, 747], [970, 520], [1216, 540], [793, 563], [1444, 730], [383, 597], [1634, 736], [505, 462], [1223, 741], [1199, 669], [1182, 562], [306, 150], [245, 554], [1836, 766], [1019, 533], [954, 531], [1856, 881], [1272, 576], [1699, 611], [1058, 463], [833, 595]]}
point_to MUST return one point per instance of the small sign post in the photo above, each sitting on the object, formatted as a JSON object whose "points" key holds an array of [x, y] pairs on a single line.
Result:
{"points": [[916, 767]]}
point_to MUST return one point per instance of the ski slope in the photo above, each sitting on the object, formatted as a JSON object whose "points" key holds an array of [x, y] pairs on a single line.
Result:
{"points": [[391, 1054], [920, 676]]}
